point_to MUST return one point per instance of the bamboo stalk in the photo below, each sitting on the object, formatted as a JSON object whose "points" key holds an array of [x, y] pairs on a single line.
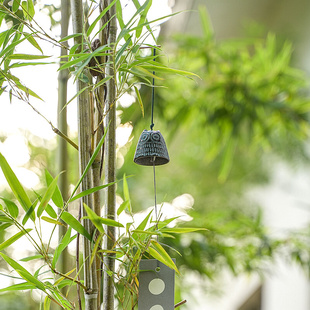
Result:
{"points": [[62, 126], [110, 165], [85, 136]]}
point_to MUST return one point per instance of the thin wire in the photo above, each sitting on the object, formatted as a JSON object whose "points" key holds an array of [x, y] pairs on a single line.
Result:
{"points": [[155, 196], [153, 94]]}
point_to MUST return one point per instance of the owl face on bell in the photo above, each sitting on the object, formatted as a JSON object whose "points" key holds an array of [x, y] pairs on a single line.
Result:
{"points": [[150, 136]]}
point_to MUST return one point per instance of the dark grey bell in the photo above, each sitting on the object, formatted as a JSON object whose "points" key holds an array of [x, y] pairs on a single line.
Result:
{"points": [[151, 149]]}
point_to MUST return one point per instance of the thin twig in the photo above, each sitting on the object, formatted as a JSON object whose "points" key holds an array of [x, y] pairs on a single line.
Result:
{"points": [[180, 303]]}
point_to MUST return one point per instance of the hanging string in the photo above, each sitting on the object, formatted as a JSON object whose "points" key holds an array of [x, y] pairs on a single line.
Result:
{"points": [[153, 94]]}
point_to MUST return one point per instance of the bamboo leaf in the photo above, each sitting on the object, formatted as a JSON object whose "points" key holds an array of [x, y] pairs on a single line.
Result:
{"points": [[4, 226], [12, 207], [65, 241], [47, 197], [98, 148], [94, 218], [27, 56], [57, 197], [98, 220], [75, 224], [90, 191], [123, 206], [157, 250], [94, 23], [52, 221], [25, 64], [30, 258], [143, 18], [15, 185], [139, 100], [70, 37], [182, 230], [31, 10], [23, 272], [32, 41], [18, 287], [47, 303], [29, 213], [15, 5], [11, 240], [161, 68]]}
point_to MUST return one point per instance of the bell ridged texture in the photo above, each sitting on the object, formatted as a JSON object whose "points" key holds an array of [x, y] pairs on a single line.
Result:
{"points": [[151, 149]]}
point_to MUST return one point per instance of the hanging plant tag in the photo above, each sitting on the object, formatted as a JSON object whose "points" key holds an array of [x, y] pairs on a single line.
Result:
{"points": [[156, 286]]}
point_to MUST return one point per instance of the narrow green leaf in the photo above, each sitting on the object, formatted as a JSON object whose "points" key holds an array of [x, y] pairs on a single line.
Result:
{"points": [[103, 81], [70, 37], [143, 18], [12, 207], [125, 188], [69, 64], [5, 219], [18, 287], [182, 230], [31, 213], [15, 185], [161, 254], [5, 226], [23, 272], [11, 240], [161, 68], [120, 52], [52, 221], [141, 71], [123, 206], [65, 241], [75, 224], [57, 197], [139, 100], [98, 148], [47, 303], [27, 56], [15, 5], [30, 258], [94, 23], [32, 41], [148, 232], [98, 220], [95, 219], [31, 10], [47, 196], [25, 64], [90, 191]]}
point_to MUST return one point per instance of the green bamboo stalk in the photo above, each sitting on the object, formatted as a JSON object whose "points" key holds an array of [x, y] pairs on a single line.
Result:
{"points": [[85, 136], [62, 126], [110, 164]]}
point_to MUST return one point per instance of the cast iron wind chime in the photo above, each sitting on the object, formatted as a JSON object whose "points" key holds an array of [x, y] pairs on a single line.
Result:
{"points": [[156, 280]]}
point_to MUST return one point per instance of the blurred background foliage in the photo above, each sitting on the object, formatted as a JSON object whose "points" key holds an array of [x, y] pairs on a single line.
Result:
{"points": [[225, 130]]}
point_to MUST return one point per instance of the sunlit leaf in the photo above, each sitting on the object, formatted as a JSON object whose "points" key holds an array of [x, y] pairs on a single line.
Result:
{"points": [[182, 230], [15, 185], [18, 287], [57, 197], [139, 100], [23, 272], [27, 56], [90, 191], [14, 238], [12, 207], [98, 18], [75, 224], [65, 241], [47, 197], [51, 220]]}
